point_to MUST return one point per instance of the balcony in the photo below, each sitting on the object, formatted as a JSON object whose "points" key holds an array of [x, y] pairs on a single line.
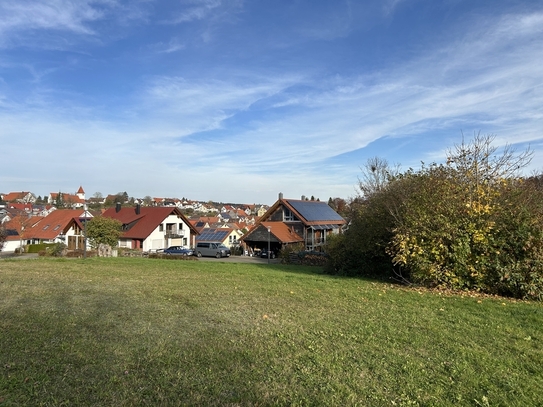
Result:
{"points": [[174, 233]]}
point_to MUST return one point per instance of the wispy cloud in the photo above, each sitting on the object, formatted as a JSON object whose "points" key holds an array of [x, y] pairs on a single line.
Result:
{"points": [[53, 14], [57, 21], [271, 128], [196, 10]]}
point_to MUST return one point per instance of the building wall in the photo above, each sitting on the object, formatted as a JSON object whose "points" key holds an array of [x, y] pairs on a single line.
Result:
{"points": [[158, 237]]}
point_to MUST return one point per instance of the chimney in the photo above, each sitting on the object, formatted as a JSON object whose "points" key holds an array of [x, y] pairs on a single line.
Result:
{"points": [[280, 195], [138, 209], [118, 207], [303, 197]]}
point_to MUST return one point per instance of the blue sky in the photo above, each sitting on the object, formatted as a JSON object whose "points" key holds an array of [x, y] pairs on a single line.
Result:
{"points": [[236, 101]]}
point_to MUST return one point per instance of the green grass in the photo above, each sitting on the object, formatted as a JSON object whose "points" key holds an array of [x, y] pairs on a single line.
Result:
{"points": [[137, 332]]}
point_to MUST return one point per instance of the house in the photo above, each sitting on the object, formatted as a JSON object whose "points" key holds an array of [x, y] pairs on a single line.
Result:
{"points": [[76, 200], [261, 211], [153, 227], [63, 225], [229, 237], [290, 221], [20, 197], [13, 241]]}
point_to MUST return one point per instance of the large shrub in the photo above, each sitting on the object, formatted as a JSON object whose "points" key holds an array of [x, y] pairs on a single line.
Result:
{"points": [[472, 223], [102, 230]]}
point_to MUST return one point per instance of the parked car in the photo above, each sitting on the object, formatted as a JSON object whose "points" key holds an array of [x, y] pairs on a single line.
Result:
{"points": [[264, 254], [216, 249], [180, 250]]}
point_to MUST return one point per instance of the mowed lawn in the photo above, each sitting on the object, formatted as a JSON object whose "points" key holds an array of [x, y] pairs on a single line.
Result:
{"points": [[143, 332]]}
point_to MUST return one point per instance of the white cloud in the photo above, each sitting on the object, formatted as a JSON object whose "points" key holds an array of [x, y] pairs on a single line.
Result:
{"points": [[58, 24], [197, 10]]}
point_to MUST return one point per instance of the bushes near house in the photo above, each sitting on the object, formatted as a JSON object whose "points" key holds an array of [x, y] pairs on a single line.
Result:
{"points": [[36, 248]]}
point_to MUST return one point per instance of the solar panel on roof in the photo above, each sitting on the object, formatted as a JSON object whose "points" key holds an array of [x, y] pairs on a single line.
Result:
{"points": [[315, 210], [212, 235]]}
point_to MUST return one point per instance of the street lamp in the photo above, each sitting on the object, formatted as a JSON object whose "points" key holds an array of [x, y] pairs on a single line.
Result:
{"points": [[269, 234], [85, 232]]}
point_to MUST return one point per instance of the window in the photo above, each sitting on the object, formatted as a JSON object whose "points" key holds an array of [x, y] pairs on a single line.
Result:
{"points": [[161, 228], [288, 215]]}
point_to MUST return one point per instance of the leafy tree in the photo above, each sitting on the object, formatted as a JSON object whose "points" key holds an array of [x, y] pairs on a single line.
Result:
{"points": [[361, 250], [59, 201], [3, 236], [104, 230]]}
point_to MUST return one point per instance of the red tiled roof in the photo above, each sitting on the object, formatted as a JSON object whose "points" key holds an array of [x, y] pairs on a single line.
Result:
{"points": [[53, 224], [16, 223], [21, 206], [67, 198], [146, 221], [282, 232], [13, 196]]}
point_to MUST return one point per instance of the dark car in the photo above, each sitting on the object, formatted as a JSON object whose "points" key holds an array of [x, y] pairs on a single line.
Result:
{"points": [[180, 250], [264, 254]]}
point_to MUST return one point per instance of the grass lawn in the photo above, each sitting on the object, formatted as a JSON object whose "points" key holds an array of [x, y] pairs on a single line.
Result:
{"points": [[137, 332]]}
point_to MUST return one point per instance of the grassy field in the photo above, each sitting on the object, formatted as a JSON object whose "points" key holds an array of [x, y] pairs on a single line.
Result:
{"points": [[137, 332]]}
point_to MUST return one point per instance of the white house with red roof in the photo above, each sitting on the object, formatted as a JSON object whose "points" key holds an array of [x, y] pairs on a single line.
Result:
{"points": [[62, 225], [153, 227], [20, 197], [76, 200]]}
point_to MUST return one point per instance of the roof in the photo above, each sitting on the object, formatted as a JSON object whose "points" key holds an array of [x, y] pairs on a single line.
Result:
{"points": [[54, 224], [282, 232], [13, 196], [314, 211], [213, 234], [67, 198], [146, 221]]}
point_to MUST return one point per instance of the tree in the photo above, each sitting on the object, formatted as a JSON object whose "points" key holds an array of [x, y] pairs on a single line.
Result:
{"points": [[22, 222], [361, 250], [59, 200], [3, 236], [103, 230]]}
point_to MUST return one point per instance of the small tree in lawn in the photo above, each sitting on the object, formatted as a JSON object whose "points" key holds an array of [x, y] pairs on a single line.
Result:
{"points": [[104, 230], [3, 236]]}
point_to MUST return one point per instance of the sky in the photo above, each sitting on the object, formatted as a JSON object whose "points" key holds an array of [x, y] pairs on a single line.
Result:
{"points": [[237, 101]]}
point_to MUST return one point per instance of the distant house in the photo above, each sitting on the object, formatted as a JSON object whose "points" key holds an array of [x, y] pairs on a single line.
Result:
{"points": [[20, 197], [290, 221], [72, 201], [227, 236], [153, 227], [261, 211]]}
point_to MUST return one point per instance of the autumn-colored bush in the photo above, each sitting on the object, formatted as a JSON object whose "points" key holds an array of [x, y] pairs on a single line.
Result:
{"points": [[472, 223]]}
